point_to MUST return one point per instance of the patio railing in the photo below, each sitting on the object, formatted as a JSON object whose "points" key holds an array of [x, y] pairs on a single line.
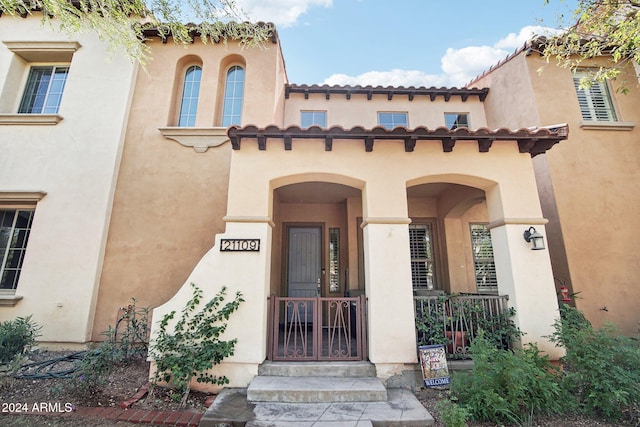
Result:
{"points": [[454, 320]]}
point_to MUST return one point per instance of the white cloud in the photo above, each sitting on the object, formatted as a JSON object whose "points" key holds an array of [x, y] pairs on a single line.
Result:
{"points": [[394, 77], [459, 66], [283, 13], [515, 41]]}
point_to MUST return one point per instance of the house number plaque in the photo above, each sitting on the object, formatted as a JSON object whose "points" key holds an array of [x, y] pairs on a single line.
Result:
{"points": [[239, 245]]}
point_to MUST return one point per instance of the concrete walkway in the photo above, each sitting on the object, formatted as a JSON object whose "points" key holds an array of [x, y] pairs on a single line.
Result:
{"points": [[400, 409]]}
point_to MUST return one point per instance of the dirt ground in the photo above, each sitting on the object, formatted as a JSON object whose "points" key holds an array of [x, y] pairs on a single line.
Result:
{"points": [[124, 381]]}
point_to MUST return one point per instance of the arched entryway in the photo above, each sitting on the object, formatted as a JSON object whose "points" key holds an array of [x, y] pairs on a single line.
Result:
{"points": [[317, 304], [450, 242]]}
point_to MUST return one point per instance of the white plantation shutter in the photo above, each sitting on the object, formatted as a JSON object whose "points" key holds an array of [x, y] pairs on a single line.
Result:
{"points": [[485, 267], [422, 256], [595, 102]]}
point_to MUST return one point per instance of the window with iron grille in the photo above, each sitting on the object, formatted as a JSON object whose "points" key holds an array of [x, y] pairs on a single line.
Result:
{"points": [[595, 101], [484, 265], [15, 226], [423, 271]]}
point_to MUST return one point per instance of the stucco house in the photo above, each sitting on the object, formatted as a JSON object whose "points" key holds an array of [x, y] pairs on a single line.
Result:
{"points": [[211, 168]]}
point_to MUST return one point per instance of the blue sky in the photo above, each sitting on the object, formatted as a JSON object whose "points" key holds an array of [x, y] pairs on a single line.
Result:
{"points": [[401, 42]]}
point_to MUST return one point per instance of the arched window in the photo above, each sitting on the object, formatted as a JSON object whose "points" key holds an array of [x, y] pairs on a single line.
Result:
{"points": [[190, 92], [233, 94]]}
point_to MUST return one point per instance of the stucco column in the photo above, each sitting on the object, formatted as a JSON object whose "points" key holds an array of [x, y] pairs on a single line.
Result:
{"points": [[391, 324], [526, 276]]}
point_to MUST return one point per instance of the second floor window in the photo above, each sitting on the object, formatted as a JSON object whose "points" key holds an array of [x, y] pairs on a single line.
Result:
{"points": [[43, 92], [311, 118], [190, 94], [233, 95], [391, 120], [595, 101], [456, 120]]}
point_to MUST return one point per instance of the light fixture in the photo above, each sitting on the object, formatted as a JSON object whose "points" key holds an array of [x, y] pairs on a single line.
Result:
{"points": [[536, 239]]}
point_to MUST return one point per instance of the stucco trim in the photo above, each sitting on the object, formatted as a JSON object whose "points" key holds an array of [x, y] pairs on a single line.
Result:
{"points": [[43, 51], [517, 221], [385, 220], [586, 125], [22, 196], [250, 219], [30, 119], [200, 139], [9, 300]]}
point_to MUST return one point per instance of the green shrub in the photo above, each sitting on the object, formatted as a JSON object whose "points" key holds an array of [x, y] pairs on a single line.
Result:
{"points": [[508, 386], [453, 414], [601, 368], [16, 338], [194, 345]]}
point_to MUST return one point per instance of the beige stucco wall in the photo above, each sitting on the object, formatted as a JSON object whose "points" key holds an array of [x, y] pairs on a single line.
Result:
{"points": [[420, 112], [75, 162], [594, 178], [170, 199]]}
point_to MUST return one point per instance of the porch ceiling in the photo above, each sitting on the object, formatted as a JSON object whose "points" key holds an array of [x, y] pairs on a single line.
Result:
{"points": [[532, 140], [316, 192]]}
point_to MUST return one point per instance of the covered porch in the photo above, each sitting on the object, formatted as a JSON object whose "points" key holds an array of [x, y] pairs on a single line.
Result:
{"points": [[378, 218]]}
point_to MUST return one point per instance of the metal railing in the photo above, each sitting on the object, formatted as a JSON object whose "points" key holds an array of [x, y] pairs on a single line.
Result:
{"points": [[317, 328], [454, 320]]}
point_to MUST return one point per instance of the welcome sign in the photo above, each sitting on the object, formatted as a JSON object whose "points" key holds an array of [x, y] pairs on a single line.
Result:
{"points": [[435, 370]]}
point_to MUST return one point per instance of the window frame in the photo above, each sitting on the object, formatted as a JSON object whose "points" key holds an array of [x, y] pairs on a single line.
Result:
{"points": [[190, 116], [233, 117], [312, 120], [457, 115], [45, 109], [393, 114], [588, 99]]}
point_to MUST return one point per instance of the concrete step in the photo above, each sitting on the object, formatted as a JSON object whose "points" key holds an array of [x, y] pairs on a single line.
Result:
{"points": [[318, 369], [232, 408], [315, 389]]}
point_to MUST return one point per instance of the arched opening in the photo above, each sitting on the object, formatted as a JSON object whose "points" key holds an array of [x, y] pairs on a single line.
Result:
{"points": [[317, 278]]}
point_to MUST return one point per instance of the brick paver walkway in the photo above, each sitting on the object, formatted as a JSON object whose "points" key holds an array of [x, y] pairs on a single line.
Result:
{"points": [[134, 416]]}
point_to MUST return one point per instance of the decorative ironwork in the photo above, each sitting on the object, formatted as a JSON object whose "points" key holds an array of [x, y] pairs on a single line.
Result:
{"points": [[456, 320], [317, 328]]}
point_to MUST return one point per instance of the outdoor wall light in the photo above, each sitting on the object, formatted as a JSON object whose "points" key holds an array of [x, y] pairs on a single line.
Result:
{"points": [[536, 239]]}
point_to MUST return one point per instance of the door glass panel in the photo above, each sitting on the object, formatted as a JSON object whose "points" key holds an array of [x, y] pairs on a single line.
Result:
{"points": [[334, 260]]}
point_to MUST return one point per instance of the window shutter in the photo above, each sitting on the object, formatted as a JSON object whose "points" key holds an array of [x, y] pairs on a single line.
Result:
{"points": [[595, 102], [485, 267]]}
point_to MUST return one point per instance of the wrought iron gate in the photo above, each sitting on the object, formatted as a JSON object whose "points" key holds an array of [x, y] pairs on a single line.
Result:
{"points": [[336, 330]]}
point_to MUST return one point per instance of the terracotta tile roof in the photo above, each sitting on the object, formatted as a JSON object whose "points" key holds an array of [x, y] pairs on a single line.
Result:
{"points": [[532, 140], [389, 91]]}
